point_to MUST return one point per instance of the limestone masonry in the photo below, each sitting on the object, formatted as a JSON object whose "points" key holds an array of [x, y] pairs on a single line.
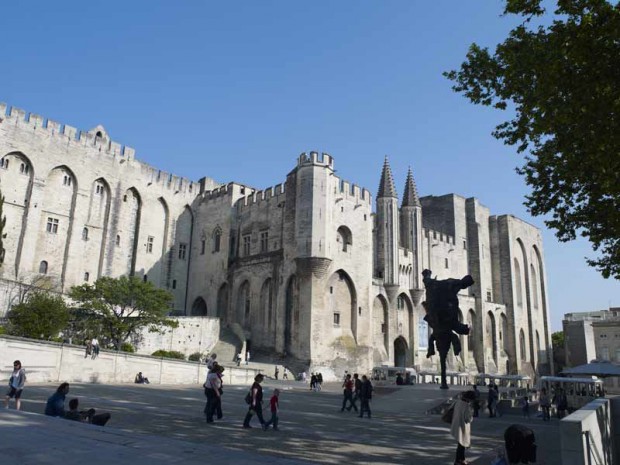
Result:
{"points": [[304, 269]]}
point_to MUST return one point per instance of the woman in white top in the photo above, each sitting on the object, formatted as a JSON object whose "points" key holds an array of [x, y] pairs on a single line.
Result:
{"points": [[461, 425], [16, 385], [213, 392]]}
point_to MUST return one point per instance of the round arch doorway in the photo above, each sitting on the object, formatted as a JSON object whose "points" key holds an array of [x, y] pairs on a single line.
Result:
{"points": [[400, 352]]}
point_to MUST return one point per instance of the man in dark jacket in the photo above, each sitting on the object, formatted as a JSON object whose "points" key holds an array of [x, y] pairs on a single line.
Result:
{"points": [[365, 396], [55, 406]]}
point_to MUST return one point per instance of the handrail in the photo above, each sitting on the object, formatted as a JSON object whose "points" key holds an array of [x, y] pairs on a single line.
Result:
{"points": [[591, 448]]}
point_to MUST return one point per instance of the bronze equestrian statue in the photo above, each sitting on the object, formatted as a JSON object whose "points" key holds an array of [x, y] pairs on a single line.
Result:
{"points": [[442, 315]]}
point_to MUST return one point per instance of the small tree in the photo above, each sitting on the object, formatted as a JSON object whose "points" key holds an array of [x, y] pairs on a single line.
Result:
{"points": [[41, 316], [559, 353], [121, 307]]}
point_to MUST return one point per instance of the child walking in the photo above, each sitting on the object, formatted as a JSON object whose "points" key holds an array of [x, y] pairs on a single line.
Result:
{"points": [[274, 402]]}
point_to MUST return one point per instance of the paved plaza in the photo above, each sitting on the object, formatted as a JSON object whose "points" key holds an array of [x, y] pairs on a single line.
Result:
{"points": [[165, 424]]}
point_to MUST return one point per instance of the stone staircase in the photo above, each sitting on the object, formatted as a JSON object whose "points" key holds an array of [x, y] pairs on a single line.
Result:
{"points": [[228, 346]]}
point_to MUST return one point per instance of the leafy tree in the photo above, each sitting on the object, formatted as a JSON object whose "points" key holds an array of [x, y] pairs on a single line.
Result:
{"points": [[559, 353], [41, 316], [119, 308], [2, 225], [561, 81]]}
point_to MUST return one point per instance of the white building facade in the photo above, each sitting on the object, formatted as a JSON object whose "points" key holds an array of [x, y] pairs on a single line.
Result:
{"points": [[307, 269]]}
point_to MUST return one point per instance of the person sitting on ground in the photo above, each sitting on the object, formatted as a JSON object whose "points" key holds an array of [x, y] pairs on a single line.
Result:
{"points": [[86, 416], [141, 379], [55, 406], [399, 379]]}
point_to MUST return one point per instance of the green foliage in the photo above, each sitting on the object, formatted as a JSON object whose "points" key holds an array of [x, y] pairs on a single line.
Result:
{"points": [[2, 225], [561, 82], [557, 340], [195, 357], [41, 316], [127, 347], [2, 330], [168, 354], [117, 309]]}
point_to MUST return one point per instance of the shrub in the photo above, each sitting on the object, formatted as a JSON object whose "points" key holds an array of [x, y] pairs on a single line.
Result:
{"points": [[127, 347], [195, 357], [168, 354]]}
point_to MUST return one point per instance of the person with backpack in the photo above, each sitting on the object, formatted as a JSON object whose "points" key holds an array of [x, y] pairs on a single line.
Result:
{"points": [[254, 399], [460, 428], [545, 404], [365, 396], [16, 385]]}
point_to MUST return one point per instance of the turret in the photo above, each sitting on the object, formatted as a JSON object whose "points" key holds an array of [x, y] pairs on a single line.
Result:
{"points": [[387, 228], [411, 226]]}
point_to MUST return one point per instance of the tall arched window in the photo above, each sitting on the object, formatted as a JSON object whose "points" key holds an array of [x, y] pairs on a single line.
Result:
{"points": [[85, 234], [519, 287], [43, 267], [522, 345], [534, 282], [217, 239]]}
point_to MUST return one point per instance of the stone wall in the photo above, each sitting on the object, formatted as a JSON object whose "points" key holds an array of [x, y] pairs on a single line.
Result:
{"points": [[56, 363], [194, 334]]}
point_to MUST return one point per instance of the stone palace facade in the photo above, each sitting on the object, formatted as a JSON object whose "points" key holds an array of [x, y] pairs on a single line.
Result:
{"points": [[307, 269]]}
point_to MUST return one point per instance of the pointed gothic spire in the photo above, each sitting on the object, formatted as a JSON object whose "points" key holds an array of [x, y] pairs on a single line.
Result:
{"points": [[410, 197], [386, 186]]}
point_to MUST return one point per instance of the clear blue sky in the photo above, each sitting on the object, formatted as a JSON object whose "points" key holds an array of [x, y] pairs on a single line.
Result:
{"points": [[236, 90]]}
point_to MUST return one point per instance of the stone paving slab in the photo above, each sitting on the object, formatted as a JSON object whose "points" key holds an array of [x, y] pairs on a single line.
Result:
{"points": [[312, 426]]}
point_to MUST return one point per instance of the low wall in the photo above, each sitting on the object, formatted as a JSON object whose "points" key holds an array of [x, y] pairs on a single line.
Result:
{"points": [[587, 436], [55, 363], [194, 334]]}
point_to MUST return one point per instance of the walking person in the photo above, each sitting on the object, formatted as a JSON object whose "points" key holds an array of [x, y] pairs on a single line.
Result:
{"points": [[284, 373], [357, 388], [247, 357], [213, 393], [239, 359], [492, 401], [274, 404], [365, 396], [276, 373], [525, 407], [89, 349], [347, 394], [319, 381], [460, 429], [561, 403], [545, 404], [256, 402], [16, 385], [95, 344], [476, 402]]}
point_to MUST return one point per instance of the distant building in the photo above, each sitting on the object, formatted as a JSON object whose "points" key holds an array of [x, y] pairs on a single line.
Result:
{"points": [[593, 336], [307, 269]]}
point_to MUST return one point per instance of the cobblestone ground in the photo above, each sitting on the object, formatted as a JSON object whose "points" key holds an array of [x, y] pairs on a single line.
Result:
{"points": [[312, 427]]}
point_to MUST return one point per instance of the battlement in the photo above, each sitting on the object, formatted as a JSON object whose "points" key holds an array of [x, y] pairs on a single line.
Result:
{"points": [[360, 194], [265, 195], [436, 236], [96, 140], [313, 158], [220, 193]]}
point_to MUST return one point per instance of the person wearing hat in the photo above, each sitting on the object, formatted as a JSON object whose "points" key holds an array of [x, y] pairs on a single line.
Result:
{"points": [[460, 429]]}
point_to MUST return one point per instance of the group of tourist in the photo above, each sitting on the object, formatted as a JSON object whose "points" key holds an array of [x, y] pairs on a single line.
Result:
{"points": [[92, 348], [355, 389]]}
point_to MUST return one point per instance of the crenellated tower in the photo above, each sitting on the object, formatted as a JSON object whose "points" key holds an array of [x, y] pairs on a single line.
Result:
{"points": [[411, 228], [387, 231]]}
